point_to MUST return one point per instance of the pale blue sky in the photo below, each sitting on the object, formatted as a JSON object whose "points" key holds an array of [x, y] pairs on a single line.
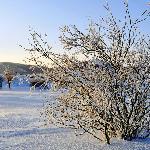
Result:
{"points": [[46, 16]]}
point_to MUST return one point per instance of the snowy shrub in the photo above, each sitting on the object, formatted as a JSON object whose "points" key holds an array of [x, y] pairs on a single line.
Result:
{"points": [[107, 93], [36, 80]]}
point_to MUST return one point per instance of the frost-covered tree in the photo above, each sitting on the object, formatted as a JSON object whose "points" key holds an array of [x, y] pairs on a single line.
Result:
{"points": [[9, 76], [107, 94]]}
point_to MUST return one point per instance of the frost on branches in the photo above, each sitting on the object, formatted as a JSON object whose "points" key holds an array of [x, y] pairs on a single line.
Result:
{"points": [[107, 94]]}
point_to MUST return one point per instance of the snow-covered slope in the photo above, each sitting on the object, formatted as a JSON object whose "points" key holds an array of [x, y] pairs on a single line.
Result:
{"points": [[21, 128]]}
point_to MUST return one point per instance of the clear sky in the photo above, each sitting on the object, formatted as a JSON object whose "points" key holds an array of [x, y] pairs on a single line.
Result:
{"points": [[46, 16]]}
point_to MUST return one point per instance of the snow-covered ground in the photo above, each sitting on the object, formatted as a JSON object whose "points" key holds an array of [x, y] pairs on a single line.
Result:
{"points": [[21, 128]]}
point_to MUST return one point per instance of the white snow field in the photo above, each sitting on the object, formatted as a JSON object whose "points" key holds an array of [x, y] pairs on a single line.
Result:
{"points": [[21, 128]]}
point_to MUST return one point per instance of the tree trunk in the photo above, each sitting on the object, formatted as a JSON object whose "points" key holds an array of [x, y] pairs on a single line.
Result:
{"points": [[106, 134], [9, 84]]}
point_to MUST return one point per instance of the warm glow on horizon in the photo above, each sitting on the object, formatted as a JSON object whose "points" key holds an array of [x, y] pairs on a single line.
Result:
{"points": [[16, 58]]}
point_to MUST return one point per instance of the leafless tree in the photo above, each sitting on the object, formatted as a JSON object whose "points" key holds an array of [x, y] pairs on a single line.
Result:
{"points": [[8, 75], [107, 94]]}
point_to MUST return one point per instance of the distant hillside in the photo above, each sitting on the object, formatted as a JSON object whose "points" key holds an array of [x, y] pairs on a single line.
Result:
{"points": [[18, 68]]}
